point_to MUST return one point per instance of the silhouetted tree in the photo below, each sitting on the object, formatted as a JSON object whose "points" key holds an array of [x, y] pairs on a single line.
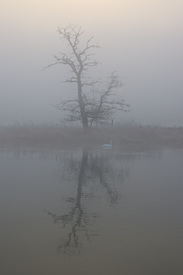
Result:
{"points": [[93, 169], [90, 106]]}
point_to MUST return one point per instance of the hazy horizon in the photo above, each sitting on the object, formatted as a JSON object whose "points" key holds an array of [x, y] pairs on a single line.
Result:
{"points": [[141, 40]]}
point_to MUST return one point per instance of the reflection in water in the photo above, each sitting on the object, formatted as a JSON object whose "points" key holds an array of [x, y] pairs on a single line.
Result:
{"points": [[76, 217], [121, 222], [92, 168]]}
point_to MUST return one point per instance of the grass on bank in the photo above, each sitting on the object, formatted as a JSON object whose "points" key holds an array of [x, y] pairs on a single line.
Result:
{"points": [[124, 137]]}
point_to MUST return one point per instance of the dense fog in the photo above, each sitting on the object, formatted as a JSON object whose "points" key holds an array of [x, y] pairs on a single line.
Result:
{"points": [[141, 40]]}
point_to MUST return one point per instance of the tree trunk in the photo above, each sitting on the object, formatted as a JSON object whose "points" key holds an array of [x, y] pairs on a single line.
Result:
{"points": [[84, 117]]}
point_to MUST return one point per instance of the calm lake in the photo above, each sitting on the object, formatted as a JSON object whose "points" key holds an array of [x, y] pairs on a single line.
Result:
{"points": [[91, 212]]}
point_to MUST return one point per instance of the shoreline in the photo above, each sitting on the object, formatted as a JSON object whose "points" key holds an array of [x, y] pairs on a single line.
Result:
{"points": [[124, 138]]}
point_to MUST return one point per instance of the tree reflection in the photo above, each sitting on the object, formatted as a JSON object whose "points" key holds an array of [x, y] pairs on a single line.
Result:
{"points": [[92, 169]]}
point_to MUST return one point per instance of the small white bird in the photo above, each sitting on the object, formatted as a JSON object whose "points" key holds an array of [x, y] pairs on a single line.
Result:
{"points": [[107, 145]]}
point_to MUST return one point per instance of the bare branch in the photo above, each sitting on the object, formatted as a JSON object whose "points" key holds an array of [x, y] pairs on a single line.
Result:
{"points": [[91, 83], [91, 105]]}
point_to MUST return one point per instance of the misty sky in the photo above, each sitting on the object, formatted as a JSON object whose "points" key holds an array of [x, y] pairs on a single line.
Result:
{"points": [[140, 39]]}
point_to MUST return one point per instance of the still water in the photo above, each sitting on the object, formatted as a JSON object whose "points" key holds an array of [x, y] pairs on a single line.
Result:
{"points": [[91, 212]]}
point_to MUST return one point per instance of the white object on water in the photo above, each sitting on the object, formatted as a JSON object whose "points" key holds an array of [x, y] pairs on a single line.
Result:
{"points": [[107, 145]]}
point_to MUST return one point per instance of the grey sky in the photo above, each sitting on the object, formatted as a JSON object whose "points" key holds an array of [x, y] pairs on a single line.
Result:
{"points": [[141, 40]]}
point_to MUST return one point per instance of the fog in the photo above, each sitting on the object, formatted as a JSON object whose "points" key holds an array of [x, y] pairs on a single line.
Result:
{"points": [[141, 40]]}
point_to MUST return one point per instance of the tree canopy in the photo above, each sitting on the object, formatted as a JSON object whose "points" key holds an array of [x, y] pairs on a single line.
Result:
{"points": [[92, 105]]}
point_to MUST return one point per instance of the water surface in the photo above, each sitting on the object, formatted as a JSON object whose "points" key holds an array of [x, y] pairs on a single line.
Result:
{"points": [[91, 212]]}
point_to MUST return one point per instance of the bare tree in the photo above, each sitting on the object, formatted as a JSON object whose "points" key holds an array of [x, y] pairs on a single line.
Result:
{"points": [[91, 170], [91, 105]]}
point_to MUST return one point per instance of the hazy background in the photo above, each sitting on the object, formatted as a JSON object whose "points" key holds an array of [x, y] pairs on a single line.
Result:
{"points": [[141, 39]]}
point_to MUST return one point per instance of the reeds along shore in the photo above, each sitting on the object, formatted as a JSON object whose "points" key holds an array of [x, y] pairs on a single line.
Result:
{"points": [[124, 137]]}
